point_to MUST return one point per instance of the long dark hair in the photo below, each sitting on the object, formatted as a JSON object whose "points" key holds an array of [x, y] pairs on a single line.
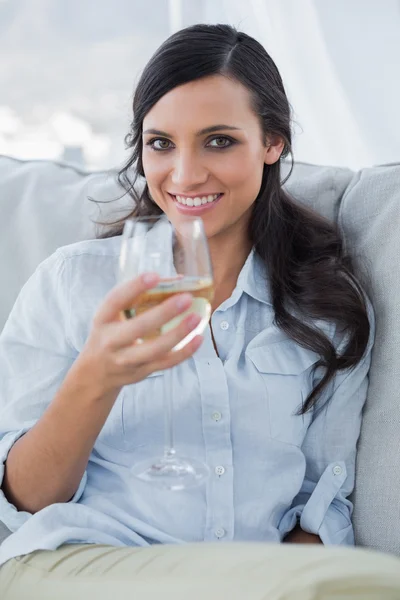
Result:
{"points": [[303, 251]]}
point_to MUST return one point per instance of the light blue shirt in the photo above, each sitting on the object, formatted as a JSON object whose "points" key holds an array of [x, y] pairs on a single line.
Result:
{"points": [[269, 467]]}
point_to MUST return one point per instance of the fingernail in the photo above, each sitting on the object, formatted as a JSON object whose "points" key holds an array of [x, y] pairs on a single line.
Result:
{"points": [[183, 301], [149, 278]]}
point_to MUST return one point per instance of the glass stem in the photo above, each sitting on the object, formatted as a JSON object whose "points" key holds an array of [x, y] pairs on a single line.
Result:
{"points": [[169, 450]]}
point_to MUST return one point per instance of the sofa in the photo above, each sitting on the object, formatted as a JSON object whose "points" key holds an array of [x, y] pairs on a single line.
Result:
{"points": [[45, 204]]}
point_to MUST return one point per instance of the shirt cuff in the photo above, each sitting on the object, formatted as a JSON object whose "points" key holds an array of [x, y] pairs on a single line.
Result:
{"points": [[10, 516], [321, 511]]}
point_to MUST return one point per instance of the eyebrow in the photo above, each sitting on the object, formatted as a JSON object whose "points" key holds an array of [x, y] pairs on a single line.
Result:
{"points": [[204, 131]]}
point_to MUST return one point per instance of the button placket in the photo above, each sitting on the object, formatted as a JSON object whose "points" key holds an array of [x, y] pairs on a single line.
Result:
{"points": [[218, 443]]}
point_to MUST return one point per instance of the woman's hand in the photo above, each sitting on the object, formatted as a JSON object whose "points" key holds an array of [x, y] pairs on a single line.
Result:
{"points": [[298, 536], [112, 355]]}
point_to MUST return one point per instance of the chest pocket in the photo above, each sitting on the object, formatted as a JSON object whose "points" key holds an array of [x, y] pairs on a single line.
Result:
{"points": [[136, 419], [284, 368]]}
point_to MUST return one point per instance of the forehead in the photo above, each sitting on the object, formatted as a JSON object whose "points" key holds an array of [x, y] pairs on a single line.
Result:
{"points": [[203, 102]]}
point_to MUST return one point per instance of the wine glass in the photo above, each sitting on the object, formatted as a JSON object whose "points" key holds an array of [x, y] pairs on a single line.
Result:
{"points": [[178, 252]]}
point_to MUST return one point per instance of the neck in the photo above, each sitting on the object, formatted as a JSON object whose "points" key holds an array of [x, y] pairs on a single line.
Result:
{"points": [[228, 257]]}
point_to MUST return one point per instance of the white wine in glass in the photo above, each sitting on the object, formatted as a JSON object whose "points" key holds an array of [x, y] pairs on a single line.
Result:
{"points": [[179, 253], [201, 288]]}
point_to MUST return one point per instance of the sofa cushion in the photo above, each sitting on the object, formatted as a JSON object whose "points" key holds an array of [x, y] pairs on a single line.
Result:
{"points": [[369, 218], [320, 188], [44, 205]]}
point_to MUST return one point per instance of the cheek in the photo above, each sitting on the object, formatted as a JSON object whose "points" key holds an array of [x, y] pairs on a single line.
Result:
{"points": [[155, 174], [241, 174], [154, 168]]}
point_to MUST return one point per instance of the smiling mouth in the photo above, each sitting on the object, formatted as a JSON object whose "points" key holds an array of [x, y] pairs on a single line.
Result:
{"points": [[197, 201]]}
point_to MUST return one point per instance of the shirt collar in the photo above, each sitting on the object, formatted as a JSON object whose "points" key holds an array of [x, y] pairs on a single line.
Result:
{"points": [[253, 278]]}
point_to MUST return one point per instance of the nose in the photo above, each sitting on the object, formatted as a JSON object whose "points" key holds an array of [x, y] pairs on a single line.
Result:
{"points": [[188, 171]]}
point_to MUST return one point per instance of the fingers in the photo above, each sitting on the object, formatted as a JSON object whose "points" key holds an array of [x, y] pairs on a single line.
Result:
{"points": [[122, 296], [156, 349], [113, 340], [124, 334]]}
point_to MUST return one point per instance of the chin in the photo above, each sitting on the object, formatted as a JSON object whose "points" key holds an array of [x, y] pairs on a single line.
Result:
{"points": [[212, 229]]}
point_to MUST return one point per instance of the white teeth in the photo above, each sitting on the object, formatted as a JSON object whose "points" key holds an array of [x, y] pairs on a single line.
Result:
{"points": [[198, 201]]}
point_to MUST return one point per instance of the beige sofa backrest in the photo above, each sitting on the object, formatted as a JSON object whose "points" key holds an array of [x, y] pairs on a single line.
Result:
{"points": [[44, 205]]}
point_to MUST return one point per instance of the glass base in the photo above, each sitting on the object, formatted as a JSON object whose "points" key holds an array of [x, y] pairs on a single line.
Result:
{"points": [[172, 472]]}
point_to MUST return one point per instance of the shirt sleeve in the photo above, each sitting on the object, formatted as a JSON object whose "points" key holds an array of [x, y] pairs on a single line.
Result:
{"points": [[322, 506], [35, 356]]}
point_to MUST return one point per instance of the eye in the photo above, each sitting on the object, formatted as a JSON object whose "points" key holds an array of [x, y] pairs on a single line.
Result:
{"points": [[159, 144], [221, 142]]}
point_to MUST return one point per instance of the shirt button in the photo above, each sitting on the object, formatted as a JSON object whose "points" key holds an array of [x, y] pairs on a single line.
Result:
{"points": [[220, 532], [224, 325], [216, 416], [337, 470], [219, 470]]}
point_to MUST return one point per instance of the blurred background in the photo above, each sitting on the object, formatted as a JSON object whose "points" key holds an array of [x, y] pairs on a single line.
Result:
{"points": [[68, 70]]}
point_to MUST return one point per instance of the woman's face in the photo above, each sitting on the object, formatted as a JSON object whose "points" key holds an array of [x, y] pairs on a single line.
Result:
{"points": [[204, 153]]}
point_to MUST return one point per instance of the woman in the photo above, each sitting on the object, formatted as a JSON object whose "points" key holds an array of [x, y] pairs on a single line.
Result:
{"points": [[272, 396]]}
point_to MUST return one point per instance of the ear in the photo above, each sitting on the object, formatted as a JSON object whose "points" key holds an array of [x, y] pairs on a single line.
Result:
{"points": [[274, 149]]}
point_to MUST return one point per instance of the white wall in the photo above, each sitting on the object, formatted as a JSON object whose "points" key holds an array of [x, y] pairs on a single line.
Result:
{"points": [[340, 62], [67, 71]]}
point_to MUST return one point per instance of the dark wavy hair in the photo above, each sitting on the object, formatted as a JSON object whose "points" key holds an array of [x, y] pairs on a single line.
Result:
{"points": [[303, 251]]}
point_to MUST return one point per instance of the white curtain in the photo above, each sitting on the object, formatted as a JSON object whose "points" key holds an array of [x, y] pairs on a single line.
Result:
{"points": [[340, 63]]}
